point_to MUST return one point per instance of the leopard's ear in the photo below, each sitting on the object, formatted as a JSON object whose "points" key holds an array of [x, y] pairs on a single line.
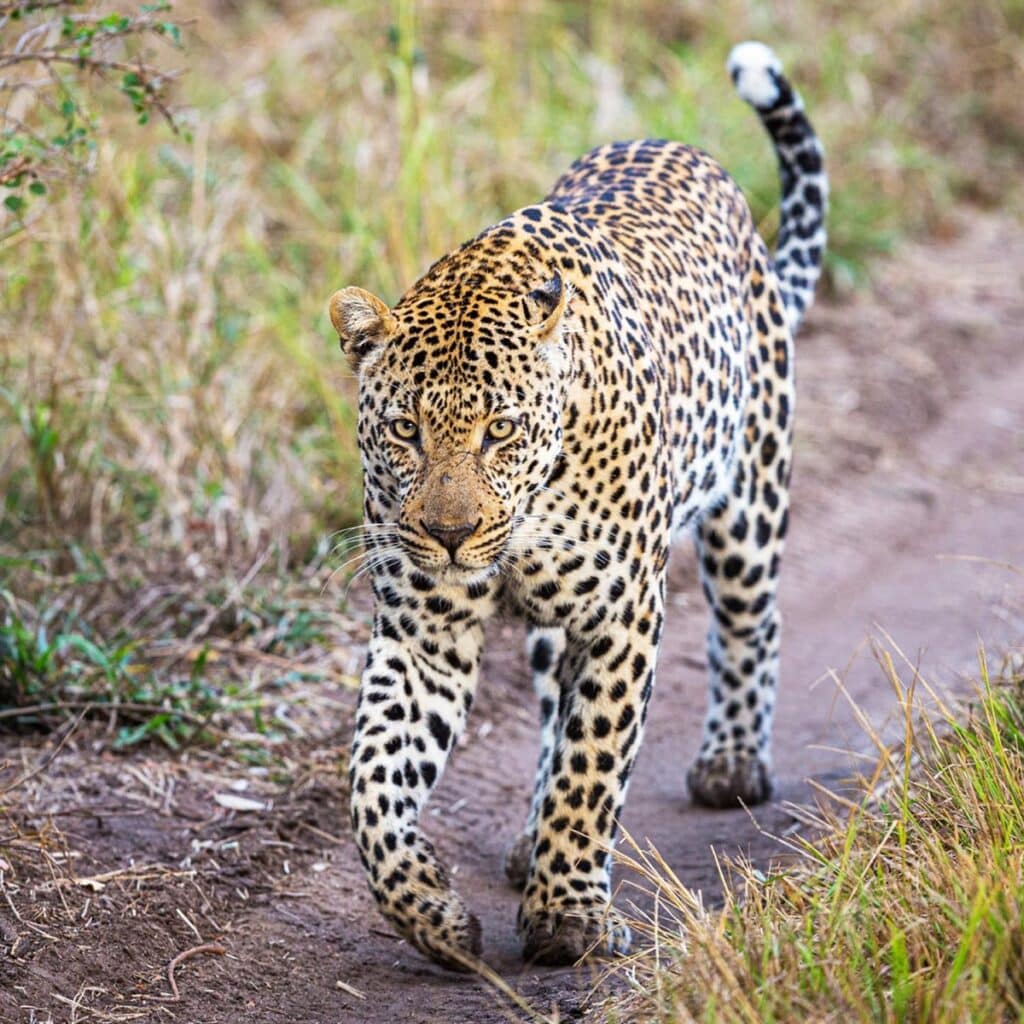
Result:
{"points": [[363, 322], [551, 303], [548, 309]]}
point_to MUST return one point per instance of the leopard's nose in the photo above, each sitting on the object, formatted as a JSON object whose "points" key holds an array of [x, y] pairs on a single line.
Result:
{"points": [[451, 537]]}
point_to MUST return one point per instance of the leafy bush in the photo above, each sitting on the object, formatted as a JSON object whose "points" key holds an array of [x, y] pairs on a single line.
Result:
{"points": [[51, 53]]}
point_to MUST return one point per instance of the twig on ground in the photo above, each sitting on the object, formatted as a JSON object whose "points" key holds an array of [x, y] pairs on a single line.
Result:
{"points": [[99, 705], [207, 949], [321, 833]]}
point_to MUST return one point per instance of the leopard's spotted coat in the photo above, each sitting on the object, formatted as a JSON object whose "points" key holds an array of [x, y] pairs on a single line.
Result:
{"points": [[539, 416]]}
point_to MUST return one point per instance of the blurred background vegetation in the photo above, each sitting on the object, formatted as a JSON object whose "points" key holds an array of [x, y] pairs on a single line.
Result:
{"points": [[168, 380], [165, 363]]}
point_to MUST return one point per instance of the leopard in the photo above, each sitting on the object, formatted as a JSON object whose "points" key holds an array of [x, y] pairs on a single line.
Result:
{"points": [[541, 417]]}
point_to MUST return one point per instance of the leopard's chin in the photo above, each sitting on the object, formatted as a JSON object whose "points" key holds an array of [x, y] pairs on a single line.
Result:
{"points": [[466, 576], [456, 574]]}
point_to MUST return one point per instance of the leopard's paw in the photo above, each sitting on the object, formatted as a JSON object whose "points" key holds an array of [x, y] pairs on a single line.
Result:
{"points": [[440, 926], [727, 779], [556, 936]]}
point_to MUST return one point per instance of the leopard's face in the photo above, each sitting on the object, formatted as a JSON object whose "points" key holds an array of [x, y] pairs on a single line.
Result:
{"points": [[460, 423]]}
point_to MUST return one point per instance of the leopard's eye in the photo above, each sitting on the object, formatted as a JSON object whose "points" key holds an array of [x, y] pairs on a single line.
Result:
{"points": [[405, 430], [501, 430]]}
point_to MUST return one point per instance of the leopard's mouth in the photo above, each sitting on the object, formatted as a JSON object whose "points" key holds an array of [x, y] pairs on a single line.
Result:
{"points": [[457, 572], [480, 558]]}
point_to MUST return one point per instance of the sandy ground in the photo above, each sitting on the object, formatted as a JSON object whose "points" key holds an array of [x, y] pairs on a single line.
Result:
{"points": [[908, 507]]}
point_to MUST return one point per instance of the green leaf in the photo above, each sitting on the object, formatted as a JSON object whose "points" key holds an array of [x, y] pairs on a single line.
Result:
{"points": [[14, 203], [127, 736], [37, 188], [114, 23], [87, 648]]}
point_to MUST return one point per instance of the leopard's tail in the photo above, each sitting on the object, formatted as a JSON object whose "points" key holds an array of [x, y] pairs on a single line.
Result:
{"points": [[757, 75]]}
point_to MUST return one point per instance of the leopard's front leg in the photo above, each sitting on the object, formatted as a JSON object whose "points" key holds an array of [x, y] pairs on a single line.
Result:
{"points": [[545, 647], [414, 697], [607, 677]]}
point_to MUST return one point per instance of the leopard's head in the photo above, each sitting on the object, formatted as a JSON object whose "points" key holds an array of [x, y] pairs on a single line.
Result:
{"points": [[461, 398]]}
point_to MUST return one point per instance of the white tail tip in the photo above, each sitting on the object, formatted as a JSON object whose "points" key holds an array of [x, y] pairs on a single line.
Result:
{"points": [[750, 66]]}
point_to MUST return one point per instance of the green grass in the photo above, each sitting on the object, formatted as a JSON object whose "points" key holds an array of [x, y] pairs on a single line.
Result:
{"points": [[904, 905], [49, 666], [182, 654]]}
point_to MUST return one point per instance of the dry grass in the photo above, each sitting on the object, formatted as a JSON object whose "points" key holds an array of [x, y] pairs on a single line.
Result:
{"points": [[904, 901]]}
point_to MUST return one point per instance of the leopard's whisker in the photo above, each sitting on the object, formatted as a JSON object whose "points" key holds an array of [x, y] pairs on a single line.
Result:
{"points": [[360, 529], [362, 537], [374, 561], [551, 541], [370, 554], [506, 566], [371, 567], [368, 545]]}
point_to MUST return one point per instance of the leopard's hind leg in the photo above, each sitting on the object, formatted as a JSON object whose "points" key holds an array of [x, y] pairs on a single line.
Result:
{"points": [[739, 546]]}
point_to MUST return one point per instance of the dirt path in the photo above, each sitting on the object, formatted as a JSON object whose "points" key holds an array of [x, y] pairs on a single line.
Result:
{"points": [[911, 462]]}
